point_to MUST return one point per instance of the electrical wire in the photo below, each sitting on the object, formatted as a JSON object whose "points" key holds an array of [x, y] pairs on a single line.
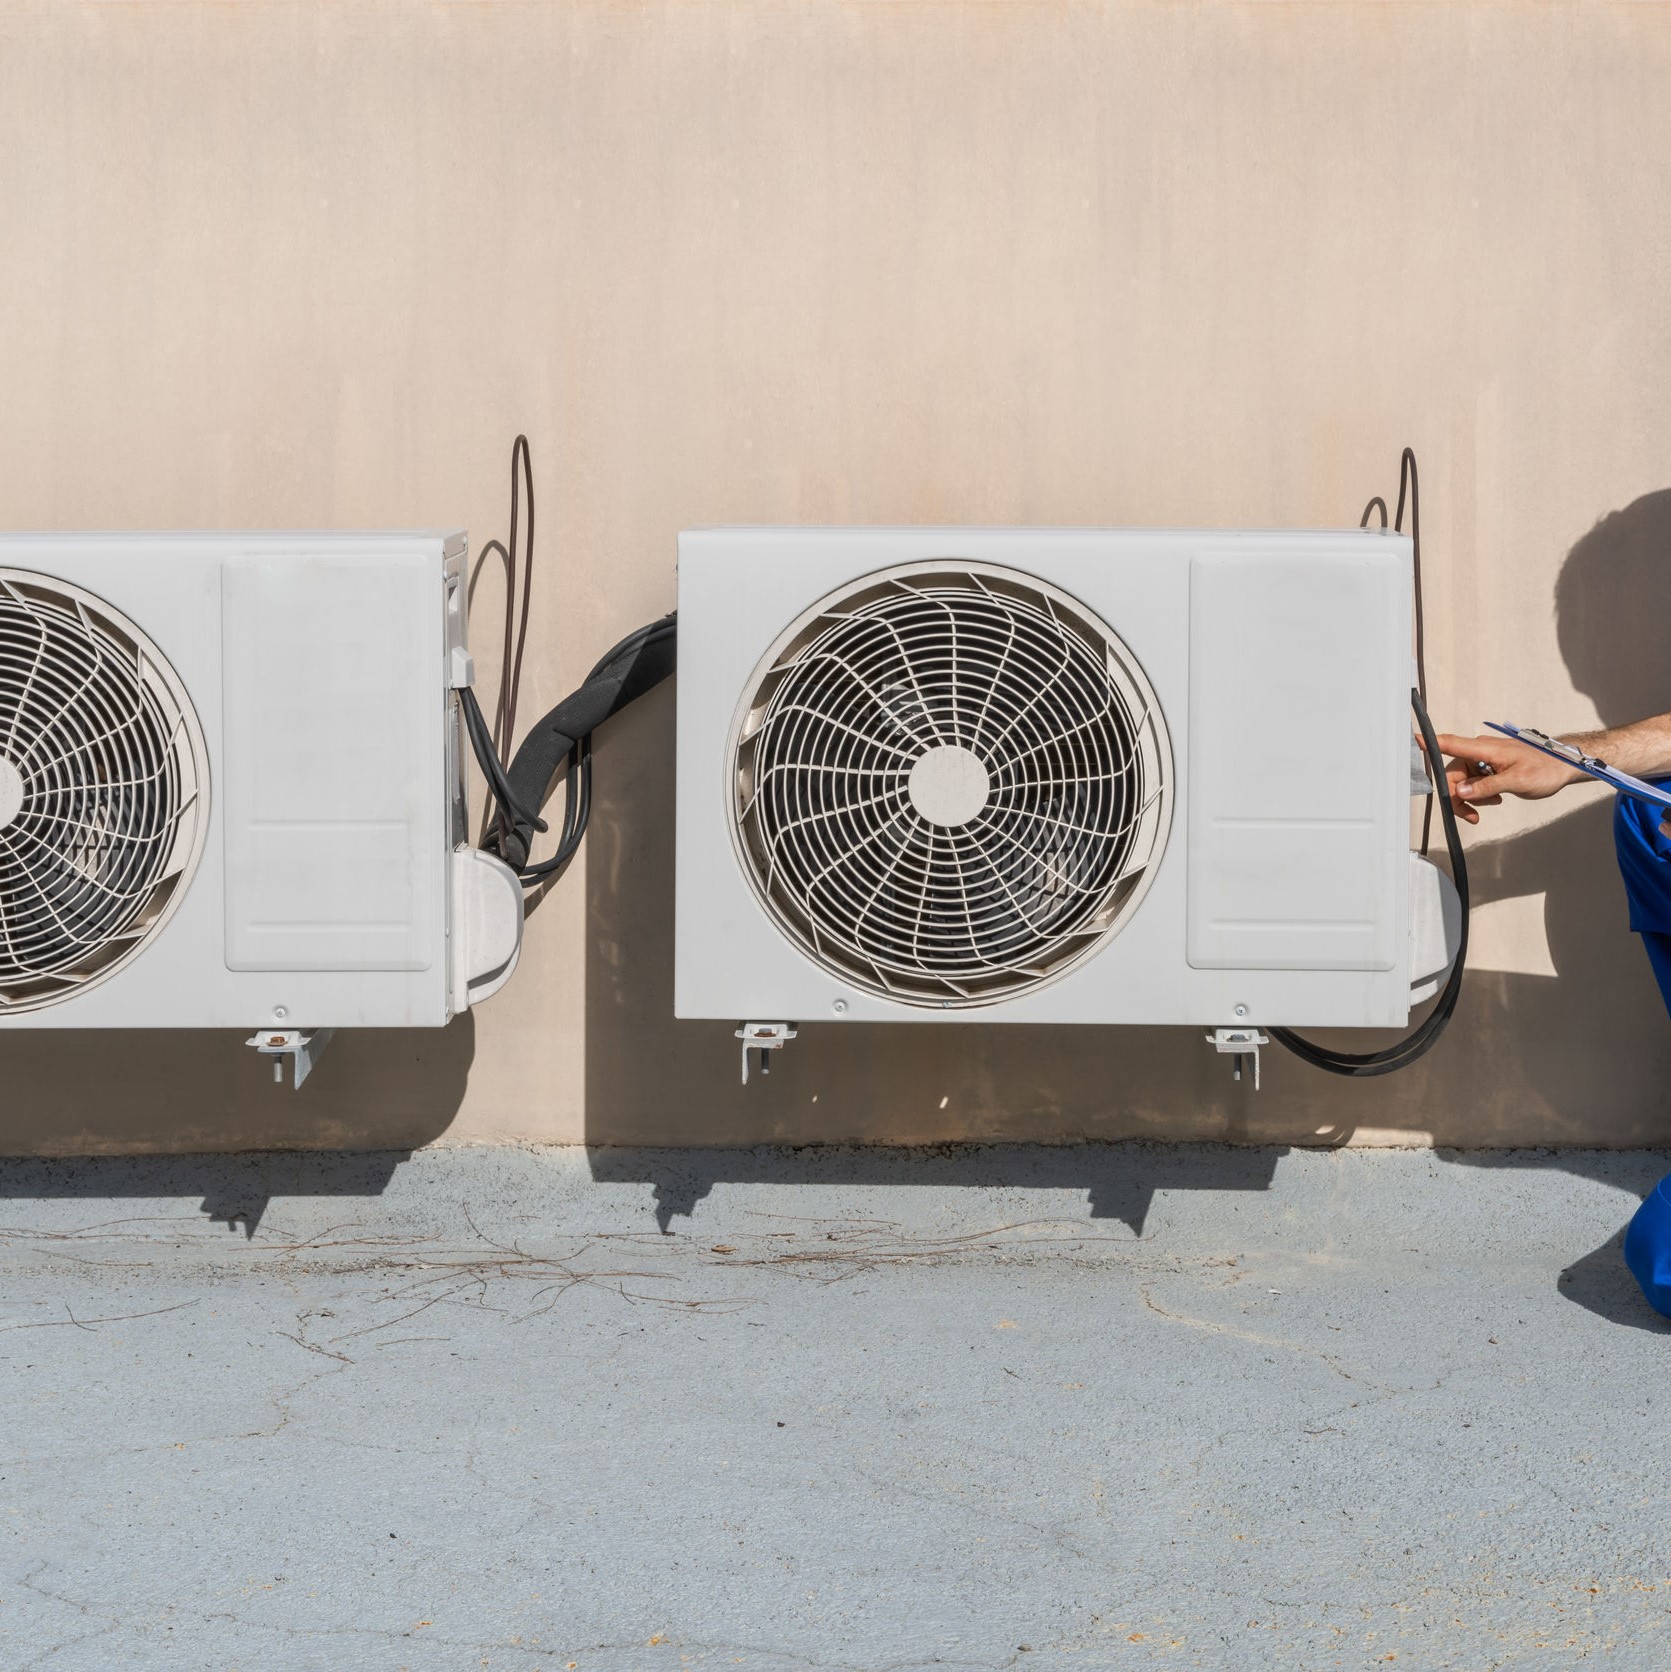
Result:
{"points": [[511, 688], [1408, 482], [1421, 1039], [490, 549], [481, 743], [508, 823], [512, 554], [493, 745]]}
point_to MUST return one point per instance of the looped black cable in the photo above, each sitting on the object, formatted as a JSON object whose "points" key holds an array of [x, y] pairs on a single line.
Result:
{"points": [[1409, 484], [1364, 1064]]}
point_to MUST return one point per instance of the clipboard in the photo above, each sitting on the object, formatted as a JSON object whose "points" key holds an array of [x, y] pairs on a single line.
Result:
{"points": [[1572, 755]]}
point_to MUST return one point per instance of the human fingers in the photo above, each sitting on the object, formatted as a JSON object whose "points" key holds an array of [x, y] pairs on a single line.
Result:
{"points": [[1497, 766], [1456, 775], [1488, 749], [1466, 748], [1466, 774]]}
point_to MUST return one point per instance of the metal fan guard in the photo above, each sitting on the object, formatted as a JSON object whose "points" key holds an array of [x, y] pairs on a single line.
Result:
{"points": [[103, 790], [949, 783]]}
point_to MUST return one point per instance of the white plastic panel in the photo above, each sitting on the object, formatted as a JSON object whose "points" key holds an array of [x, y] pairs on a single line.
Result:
{"points": [[487, 925], [332, 794], [1299, 754]]}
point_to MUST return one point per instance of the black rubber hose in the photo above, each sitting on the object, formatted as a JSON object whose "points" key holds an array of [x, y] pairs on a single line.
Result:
{"points": [[1421, 1039], [481, 742], [640, 662]]}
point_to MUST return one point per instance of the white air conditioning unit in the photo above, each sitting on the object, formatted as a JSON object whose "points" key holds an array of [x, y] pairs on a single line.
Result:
{"points": [[231, 791], [1043, 775]]}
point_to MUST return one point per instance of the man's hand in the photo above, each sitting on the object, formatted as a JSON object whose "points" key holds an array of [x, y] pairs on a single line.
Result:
{"points": [[1516, 769]]}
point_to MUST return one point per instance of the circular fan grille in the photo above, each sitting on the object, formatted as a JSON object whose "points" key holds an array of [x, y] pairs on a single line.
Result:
{"points": [[102, 789], [949, 784]]}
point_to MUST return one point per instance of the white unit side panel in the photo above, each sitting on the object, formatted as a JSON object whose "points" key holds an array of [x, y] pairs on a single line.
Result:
{"points": [[1298, 761], [332, 783]]}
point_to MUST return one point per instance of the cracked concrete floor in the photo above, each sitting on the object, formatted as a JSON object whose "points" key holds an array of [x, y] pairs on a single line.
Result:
{"points": [[981, 1408]]}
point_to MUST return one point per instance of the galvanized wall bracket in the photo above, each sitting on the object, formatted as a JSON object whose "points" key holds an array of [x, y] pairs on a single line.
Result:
{"points": [[764, 1037], [1240, 1045], [304, 1047]]}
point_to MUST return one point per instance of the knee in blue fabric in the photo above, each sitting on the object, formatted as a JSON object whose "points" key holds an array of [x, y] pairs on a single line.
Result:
{"points": [[1648, 1247]]}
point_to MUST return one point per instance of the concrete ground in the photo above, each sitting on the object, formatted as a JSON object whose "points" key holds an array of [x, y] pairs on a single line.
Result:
{"points": [[777, 1412]]}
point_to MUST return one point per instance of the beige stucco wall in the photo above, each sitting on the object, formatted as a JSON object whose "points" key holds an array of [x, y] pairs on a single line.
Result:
{"points": [[274, 265]]}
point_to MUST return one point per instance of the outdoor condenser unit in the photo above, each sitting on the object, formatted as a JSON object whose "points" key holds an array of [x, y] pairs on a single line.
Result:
{"points": [[1047, 775], [231, 792]]}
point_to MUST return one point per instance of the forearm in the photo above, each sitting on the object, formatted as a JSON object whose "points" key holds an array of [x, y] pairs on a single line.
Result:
{"points": [[1643, 749]]}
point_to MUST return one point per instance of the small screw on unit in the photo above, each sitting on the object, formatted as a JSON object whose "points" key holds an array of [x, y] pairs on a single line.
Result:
{"points": [[840, 1007], [1241, 1009], [280, 1012]]}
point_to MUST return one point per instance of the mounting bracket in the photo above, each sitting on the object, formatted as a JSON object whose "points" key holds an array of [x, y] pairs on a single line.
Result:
{"points": [[303, 1046], [1239, 1044], [764, 1037]]}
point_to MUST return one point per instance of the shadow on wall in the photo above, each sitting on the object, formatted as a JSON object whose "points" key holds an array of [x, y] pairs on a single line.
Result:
{"points": [[1589, 1048], [1580, 1058], [132, 1092]]}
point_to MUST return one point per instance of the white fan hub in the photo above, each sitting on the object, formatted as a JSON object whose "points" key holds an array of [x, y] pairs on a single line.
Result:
{"points": [[11, 792], [949, 786]]}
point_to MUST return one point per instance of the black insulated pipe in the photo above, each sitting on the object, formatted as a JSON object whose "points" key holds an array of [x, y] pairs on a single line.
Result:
{"points": [[636, 665]]}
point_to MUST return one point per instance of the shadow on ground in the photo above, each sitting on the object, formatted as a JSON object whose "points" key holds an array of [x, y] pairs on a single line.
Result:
{"points": [[1601, 1283], [236, 1190], [1118, 1180]]}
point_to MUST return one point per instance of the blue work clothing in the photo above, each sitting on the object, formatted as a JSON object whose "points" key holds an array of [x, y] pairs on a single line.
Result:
{"points": [[1645, 864]]}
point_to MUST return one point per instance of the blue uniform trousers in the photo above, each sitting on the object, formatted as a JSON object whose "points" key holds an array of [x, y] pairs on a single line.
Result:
{"points": [[1645, 864]]}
